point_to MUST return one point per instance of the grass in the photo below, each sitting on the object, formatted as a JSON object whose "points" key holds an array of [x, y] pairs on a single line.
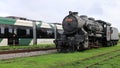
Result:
{"points": [[112, 63], [3, 48], [86, 63], [58, 60]]}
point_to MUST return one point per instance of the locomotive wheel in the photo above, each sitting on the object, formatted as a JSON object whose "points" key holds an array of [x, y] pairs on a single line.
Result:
{"points": [[71, 49], [108, 44], [80, 47], [58, 49], [61, 49], [112, 44]]}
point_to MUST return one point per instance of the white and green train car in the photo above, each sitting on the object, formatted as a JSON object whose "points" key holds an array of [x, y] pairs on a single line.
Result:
{"points": [[20, 32]]}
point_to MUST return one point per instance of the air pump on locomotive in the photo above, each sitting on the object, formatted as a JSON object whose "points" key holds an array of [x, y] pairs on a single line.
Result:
{"points": [[81, 32]]}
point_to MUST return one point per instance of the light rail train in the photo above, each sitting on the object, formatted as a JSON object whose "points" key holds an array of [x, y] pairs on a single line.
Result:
{"points": [[19, 31]]}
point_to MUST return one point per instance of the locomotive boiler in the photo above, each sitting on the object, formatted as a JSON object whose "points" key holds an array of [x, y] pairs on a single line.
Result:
{"points": [[82, 32]]}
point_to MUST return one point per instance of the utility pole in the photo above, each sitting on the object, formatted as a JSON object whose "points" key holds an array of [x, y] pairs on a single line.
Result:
{"points": [[34, 33]]}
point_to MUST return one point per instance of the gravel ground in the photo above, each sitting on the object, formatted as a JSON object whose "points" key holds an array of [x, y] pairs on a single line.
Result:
{"points": [[25, 54]]}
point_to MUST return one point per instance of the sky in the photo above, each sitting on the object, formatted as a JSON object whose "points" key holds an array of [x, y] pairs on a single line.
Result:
{"points": [[53, 11]]}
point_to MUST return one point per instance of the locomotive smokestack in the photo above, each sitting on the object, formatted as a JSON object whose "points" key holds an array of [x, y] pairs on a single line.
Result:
{"points": [[70, 12]]}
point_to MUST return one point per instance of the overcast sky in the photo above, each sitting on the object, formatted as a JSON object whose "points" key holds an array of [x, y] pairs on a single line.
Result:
{"points": [[56, 10]]}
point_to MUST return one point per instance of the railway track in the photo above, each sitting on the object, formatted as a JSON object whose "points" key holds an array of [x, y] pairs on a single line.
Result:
{"points": [[101, 58], [91, 61], [25, 50], [25, 53], [96, 56], [105, 59]]}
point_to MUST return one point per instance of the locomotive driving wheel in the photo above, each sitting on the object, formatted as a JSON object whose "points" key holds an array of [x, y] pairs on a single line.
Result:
{"points": [[80, 47], [58, 49], [61, 49], [71, 48]]}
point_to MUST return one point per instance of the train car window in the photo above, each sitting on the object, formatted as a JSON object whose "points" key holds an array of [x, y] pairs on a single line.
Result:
{"points": [[7, 31], [27, 31], [41, 33], [38, 31], [15, 31], [10, 30], [60, 31], [45, 33], [50, 33], [7, 34], [21, 33], [31, 33], [2, 30]]}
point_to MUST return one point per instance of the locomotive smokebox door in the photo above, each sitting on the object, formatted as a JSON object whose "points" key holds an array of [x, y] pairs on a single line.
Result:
{"points": [[72, 23]]}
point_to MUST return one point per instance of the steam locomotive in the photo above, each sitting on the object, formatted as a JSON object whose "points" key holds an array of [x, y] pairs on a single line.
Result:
{"points": [[81, 32]]}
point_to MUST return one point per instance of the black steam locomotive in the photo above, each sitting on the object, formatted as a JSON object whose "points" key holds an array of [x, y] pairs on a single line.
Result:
{"points": [[81, 32]]}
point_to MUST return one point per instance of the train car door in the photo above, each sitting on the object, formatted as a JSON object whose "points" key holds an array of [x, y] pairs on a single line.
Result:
{"points": [[12, 37]]}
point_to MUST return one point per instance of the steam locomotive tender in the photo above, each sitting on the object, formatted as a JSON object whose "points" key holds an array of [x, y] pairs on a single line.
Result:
{"points": [[81, 32]]}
